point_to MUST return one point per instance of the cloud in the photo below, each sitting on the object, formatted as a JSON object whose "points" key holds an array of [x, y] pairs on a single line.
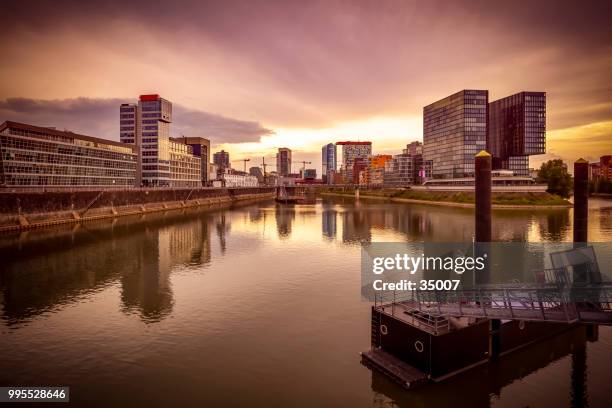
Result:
{"points": [[219, 129], [100, 117]]}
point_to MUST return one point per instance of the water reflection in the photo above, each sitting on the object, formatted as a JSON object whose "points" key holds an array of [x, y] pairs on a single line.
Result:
{"points": [[51, 269], [127, 292]]}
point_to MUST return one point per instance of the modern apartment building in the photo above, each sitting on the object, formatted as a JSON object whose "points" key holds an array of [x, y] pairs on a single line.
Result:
{"points": [[375, 173], [517, 130], [407, 168], [454, 130], [45, 157], [283, 161], [222, 160], [328, 159], [350, 152]]}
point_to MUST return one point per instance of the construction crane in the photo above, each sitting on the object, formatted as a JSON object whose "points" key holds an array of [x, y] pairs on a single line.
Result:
{"points": [[304, 163], [264, 165], [245, 162]]}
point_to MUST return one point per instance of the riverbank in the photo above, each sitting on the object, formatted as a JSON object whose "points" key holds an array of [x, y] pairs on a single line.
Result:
{"points": [[458, 199], [29, 210]]}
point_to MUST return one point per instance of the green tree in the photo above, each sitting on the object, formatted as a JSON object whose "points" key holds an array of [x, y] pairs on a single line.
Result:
{"points": [[554, 174]]}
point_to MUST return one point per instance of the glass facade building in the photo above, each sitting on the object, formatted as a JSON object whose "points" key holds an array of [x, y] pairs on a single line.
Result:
{"points": [[44, 157], [328, 158], [517, 130], [454, 130]]}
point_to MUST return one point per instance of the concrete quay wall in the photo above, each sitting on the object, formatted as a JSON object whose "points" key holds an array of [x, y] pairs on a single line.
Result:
{"points": [[34, 209]]}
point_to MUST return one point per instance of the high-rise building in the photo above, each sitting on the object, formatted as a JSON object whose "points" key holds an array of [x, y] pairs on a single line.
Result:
{"points": [[328, 158], [153, 139], [128, 122], [517, 130], [454, 130], [46, 157], [162, 160], [222, 160], [283, 161], [350, 152]]}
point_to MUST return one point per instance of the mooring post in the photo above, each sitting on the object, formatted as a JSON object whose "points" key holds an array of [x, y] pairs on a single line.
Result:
{"points": [[482, 167], [581, 201], [583, 274], [482, 227]]}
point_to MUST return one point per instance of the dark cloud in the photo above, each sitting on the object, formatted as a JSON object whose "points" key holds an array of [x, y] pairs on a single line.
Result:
{"points": [[100, 117], [316, 63], [219, 129]]}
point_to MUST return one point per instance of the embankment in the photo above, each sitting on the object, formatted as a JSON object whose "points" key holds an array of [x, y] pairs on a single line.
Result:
{"points": [[457, 199], [27, 210]]}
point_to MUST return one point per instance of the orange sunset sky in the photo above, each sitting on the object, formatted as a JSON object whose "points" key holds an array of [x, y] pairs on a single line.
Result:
{"points": [[256, 75]]}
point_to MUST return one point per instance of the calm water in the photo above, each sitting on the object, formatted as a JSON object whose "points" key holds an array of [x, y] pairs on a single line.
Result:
{"points": [[254, 305]]}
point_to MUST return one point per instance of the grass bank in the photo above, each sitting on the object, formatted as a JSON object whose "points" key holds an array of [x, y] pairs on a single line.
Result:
{"points": [[459, 199]]}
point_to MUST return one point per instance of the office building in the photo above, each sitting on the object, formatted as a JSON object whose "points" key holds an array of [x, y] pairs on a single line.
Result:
{"points": [[162, 161], [200, 147], [238, 179], [185, 166], [222, 160], [154, 115], [517, 130], [328, 159], [128, 122], [45, 157], [352, 151], [308, 174], [454, 130], [283, 161]]}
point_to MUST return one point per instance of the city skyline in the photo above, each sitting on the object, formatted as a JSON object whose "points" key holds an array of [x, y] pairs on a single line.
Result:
{"points": [[364, 71]]}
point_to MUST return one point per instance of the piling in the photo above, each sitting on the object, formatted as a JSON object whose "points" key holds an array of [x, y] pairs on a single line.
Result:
{"points": [[581, 200], [482, 165], [482, 227]]}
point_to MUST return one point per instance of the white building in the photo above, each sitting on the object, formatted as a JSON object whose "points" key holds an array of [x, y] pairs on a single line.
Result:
{"points": [[239, 180]]}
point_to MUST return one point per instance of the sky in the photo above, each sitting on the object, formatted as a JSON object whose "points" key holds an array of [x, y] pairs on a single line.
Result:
{"points": [[253, 76]]}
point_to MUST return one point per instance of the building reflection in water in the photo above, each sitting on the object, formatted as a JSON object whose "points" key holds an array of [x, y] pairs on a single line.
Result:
{"points": [[56, 267], [328, 223], [223, 228], [439, 224], [285, 215]]}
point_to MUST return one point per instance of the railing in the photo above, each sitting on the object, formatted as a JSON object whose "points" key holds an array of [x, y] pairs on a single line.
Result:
{"points": [[555, 302]]}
